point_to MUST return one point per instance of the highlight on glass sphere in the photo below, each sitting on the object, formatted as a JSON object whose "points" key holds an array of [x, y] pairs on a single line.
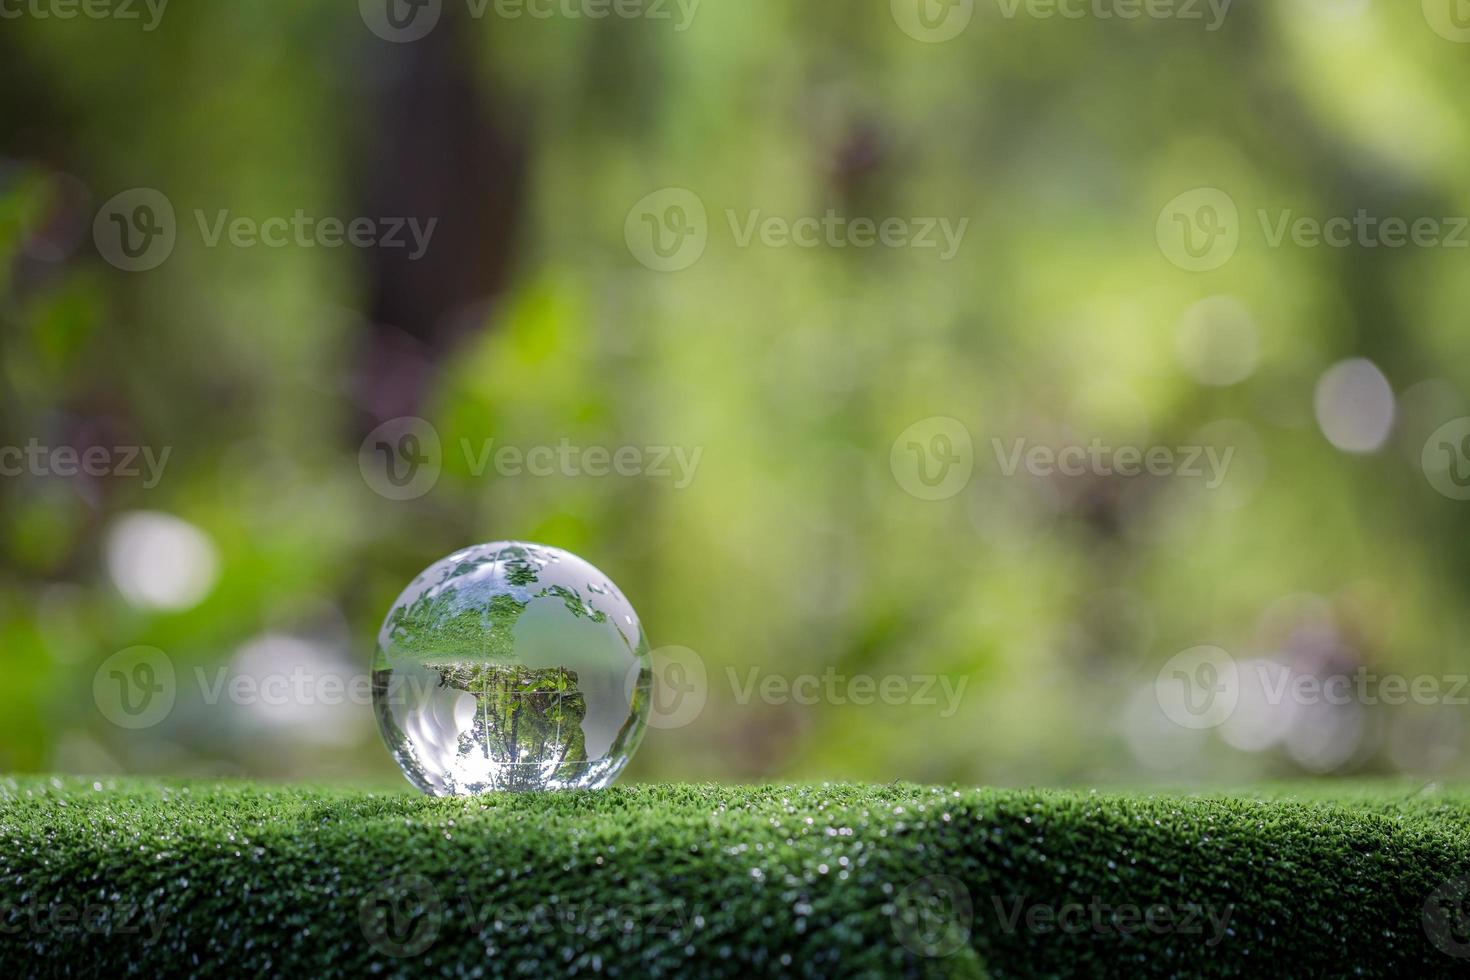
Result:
{"points": [[511, 666]]}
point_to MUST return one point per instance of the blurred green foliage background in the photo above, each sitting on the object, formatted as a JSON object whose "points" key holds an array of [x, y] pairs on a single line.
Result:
{"points": [[1062, 319]]}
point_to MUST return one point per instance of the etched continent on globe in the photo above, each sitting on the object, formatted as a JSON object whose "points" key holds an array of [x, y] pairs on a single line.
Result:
{"points": [[511, 666]]}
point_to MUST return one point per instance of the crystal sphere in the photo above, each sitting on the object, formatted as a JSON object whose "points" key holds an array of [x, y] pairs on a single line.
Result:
{"points": [[511, 666]]}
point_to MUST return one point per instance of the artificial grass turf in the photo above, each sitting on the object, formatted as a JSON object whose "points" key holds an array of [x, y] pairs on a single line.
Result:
{"points": [[116, 877]]}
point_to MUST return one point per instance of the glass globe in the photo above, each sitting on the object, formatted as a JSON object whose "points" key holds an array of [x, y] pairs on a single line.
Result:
{"points": [[511, 666]]}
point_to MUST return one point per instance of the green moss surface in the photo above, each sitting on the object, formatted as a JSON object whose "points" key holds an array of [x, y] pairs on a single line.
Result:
{"points": [[131, 877]]}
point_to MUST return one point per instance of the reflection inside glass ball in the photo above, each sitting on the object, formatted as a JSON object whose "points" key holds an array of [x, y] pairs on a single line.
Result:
{"points": [[511, 666]]}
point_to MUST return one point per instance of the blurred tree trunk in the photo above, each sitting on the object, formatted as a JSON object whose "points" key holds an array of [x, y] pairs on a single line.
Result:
{"points": [[443, 151]]}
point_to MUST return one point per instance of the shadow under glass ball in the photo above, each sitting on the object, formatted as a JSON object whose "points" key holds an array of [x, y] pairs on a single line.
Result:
{"points": [[511, 666]]}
